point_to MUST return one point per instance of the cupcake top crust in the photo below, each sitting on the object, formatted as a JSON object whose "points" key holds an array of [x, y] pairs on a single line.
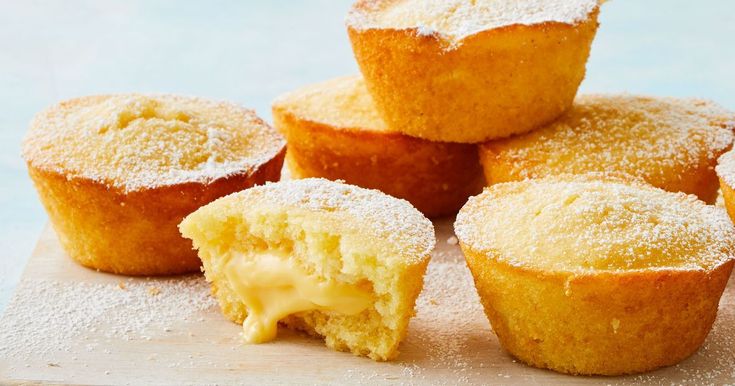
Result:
{"points": [[457, 19], [390, 224], [342, 103], [134, 142], [644, 136], [593, 222]]}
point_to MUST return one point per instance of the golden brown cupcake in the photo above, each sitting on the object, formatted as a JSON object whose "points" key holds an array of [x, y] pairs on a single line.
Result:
{"points": [[337, 261], [670, 143], [471, 71], [117, 173], [334, 132], [590, 274]]}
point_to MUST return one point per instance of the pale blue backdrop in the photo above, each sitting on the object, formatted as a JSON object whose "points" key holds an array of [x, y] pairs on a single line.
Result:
{"points": [[250, 51]]}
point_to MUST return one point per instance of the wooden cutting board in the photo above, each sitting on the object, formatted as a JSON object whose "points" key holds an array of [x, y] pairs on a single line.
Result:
{"points": [[67, 324]]}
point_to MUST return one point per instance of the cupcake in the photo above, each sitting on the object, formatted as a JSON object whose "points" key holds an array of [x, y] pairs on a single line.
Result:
{"points": [[471, 71], [334, 260], [117, 173], [592, 274]]}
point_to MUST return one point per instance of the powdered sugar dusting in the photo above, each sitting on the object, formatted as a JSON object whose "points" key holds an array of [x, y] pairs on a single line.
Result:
{"points": [[52, 313], [455, 20], [592, 222], [657, 139], [343, 103], [134, 141], [386, 217], [447, 310]]}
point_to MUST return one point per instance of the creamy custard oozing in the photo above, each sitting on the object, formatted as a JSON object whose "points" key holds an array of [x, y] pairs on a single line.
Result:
{"points": [[273, 287]]}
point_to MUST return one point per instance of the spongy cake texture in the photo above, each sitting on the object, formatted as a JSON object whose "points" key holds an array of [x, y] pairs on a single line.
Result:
{"points": [[672, 143], [335, 232], [134, 141], [595, 274]]}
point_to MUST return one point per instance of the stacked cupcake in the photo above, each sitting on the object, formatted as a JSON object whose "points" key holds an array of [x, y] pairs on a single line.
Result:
{"points": [[440, 77]]}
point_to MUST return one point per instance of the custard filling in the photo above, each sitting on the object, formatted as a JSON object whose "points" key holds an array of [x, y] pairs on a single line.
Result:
{"points": [[272, 287]]}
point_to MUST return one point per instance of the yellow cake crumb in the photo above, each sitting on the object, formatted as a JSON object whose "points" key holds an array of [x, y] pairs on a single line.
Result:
{"points": [[330, 259]]}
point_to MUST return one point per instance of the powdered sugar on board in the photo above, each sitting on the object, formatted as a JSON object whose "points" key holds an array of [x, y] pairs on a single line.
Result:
{"points": [[69, 324], [54, 313]]}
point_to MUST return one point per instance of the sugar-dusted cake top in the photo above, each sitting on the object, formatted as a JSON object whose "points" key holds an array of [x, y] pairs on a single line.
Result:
{"points": [[134, 142], [342, 103], [391, 224], [649, 137], [457, 19], [587, 223]]}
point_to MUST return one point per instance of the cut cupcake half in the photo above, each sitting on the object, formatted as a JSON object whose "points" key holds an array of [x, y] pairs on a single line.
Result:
{"points": [[331, 259]]}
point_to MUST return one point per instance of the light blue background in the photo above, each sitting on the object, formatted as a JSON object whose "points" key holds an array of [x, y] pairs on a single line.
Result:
{"points": [[250, 51]]}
